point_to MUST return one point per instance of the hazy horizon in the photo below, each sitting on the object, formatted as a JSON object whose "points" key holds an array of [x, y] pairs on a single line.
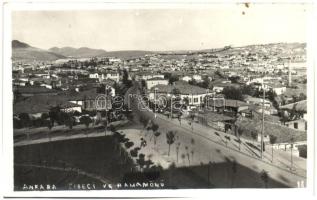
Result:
{"points": [[162, 29]]}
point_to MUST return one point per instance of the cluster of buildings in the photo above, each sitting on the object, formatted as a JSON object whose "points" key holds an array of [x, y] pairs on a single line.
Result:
{"points": [[190, 76]]}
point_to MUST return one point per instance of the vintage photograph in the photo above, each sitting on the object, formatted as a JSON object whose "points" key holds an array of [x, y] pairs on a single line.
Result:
{"points": [[161, 98]]}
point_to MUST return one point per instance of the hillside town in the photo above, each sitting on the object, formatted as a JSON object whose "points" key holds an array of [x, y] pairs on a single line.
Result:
{"points": [[254, 95]]}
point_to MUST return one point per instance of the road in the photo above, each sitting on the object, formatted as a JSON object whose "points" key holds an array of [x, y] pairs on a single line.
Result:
{"points": [[207, 149]]}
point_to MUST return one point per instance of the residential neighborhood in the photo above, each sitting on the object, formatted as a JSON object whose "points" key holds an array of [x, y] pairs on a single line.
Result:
{"points": [[147, 111]]}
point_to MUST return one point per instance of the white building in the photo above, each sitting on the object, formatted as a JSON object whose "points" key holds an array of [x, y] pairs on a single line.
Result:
{"points": [[155, 81]]}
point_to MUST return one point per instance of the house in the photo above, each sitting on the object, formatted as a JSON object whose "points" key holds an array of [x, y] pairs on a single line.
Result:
{"points": [[150, 83], [94, 75], [278, 89], [186, 78], [90, 100], [258, 101], [37, 105], [299, 124], [300, 107], [217, 121], [197, 78], [145, 76], [219, 86], [226, 105], [284, 134], [192, 94], [112, 76]]}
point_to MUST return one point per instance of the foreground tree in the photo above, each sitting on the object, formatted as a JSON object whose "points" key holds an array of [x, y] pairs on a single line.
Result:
{"points": [[233, 93], [154, 128], [254, 135], [240, 132], [177, 150], [170, 139], [156, 135], [85, 120]]}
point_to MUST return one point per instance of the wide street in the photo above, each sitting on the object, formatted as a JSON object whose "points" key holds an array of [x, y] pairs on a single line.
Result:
{"points": [[210, 147]]}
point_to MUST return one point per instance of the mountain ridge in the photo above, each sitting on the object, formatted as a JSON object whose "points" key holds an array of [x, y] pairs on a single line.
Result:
{"points": [[24, 52]]}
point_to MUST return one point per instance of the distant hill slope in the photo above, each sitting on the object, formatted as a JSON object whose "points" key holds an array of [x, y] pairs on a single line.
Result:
{"points": [[85, 52], [24, 52], [127, 53], [82, 52]]}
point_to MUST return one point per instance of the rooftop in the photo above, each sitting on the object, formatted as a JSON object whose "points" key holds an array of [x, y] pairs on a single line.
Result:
{"points": [[182, 86], [298, 106]]}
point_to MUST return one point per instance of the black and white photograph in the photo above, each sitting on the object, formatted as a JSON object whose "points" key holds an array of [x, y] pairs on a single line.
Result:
{"points": [[136, 98]]}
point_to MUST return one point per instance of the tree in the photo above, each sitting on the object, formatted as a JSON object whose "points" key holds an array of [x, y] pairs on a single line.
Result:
{"points": [[248, 90], [192, 117], [177, 150], [192, 142], [154, 128], [125, 79], [183, 157], [85, 120], [143, 83], [144, 121], [69, 120], [264, 177], [205, 83], [170, 139], [134, 152], [141, 160], [240, 132], [273, 139], [254, 135], [55, 114], [233, 93], [112, 128], [156, 135], [187, 154], [234, 79], [24, 119], [128, 144]]}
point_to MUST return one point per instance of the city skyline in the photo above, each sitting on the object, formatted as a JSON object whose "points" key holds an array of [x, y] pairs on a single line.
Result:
{"points": [[162, 29]]}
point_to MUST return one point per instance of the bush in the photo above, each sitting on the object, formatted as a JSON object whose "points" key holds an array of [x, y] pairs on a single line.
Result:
{"points": [[128, 144], [85, 120], [134, 152]]}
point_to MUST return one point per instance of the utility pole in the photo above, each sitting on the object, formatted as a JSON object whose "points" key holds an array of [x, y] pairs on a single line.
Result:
{"points": [[262, 131], [106, 122], [171, 106], [155, 102]]}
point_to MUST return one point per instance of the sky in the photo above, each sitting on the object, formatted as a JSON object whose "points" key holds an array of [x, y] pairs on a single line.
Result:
{"points": [[162, 29]]}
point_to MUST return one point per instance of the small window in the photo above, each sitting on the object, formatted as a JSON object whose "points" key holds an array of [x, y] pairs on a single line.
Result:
{"points": [[296, 125]]}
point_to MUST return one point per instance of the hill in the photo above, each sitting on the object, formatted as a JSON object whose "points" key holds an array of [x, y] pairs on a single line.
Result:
{"points": [[24, 52], [83, 52]]}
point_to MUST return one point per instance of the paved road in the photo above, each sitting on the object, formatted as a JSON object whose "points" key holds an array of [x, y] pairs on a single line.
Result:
{"points": [[207, 148]]}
